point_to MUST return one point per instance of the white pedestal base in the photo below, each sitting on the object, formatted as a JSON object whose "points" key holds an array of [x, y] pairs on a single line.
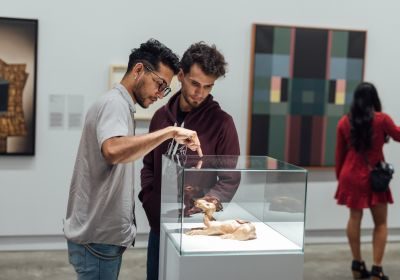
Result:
{"points": [[274, 265]]}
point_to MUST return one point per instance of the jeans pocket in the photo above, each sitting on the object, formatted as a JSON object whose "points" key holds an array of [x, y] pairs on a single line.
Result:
{"points": [[77, 256]]}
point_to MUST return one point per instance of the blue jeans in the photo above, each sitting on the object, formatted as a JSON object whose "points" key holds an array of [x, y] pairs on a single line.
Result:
{"points": [[95, 261], [153, 248]]}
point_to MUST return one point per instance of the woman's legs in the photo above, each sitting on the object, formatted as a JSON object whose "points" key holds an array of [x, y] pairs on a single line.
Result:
{"points": [[353, 232], [379, 215]]}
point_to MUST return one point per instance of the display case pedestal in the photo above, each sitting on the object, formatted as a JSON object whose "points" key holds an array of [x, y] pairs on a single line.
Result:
{"points": [[274, 266]]}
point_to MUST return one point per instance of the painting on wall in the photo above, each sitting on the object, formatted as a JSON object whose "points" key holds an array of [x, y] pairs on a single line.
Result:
{"points": [[18, 59], [302, 82], [117, 72]]}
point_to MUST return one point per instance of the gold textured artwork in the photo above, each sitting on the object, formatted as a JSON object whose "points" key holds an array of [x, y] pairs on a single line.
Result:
{"points": [[12, 122], [18, 58]]}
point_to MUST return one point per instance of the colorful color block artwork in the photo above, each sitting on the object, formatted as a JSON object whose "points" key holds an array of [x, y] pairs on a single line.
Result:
{"points": [[302, 84]]}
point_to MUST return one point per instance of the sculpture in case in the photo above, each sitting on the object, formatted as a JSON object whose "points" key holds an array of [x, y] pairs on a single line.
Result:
{"points": [[231, 229]]}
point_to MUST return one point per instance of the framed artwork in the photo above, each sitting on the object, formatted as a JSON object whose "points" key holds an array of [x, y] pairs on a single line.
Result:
{"points": [[302, 82], [117, 72], [18, 64]]}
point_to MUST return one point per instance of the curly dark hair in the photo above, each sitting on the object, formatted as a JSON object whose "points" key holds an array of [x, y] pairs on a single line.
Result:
{"points": [[365, 103], [151, 54], [210, 60]]}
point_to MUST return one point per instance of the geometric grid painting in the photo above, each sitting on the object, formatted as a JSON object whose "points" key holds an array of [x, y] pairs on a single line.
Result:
{"points": [[302, 83], [18, 54]]}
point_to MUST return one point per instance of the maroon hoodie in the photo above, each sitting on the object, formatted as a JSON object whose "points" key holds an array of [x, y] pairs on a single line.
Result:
{"points": [[217, 133]]}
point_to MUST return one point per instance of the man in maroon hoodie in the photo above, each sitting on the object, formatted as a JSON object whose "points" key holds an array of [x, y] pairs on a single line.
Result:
{"points": [[193, 105]]}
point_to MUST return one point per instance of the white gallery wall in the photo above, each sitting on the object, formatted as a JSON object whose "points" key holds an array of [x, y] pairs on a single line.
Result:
{"points": [[79, 40]]}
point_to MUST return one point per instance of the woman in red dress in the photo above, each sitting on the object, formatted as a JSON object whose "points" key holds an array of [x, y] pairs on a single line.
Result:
{"points": [[361, 135]]}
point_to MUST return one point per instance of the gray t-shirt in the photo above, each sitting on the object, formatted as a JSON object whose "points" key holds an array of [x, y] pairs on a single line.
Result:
{"points": [[101, 199]]}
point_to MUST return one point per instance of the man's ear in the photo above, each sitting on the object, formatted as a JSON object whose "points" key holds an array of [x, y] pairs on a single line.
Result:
{"points": [[180, 75], [137, 70]]}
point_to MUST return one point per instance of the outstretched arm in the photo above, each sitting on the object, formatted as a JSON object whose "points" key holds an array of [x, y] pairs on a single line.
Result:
{"points": [[116, 144], [129, 148]]}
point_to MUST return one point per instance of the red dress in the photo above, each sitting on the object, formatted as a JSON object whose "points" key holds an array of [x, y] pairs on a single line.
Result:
{"points": [[352, 170]]}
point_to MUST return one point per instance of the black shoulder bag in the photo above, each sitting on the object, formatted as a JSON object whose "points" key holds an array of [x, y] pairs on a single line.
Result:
{"points": [[380, 175]]}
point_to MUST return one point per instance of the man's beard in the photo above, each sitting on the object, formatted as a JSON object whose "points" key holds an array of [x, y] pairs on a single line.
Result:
{"points": [[191, 104], [137, 92]]}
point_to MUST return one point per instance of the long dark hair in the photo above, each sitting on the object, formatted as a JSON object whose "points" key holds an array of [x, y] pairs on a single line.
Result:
{"points": [[365, 103]]}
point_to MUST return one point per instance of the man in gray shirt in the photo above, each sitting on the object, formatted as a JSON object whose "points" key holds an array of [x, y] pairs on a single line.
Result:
{"points": [[100, 221]]}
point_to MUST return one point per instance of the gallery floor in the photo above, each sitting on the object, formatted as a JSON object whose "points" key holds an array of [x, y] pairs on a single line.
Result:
{"points": [[321, 262]]}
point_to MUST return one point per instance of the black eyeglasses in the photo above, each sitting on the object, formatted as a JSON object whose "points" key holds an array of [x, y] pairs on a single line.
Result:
{"points": [[163, 87]]}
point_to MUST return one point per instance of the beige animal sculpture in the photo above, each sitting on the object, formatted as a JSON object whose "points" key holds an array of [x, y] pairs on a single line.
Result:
{"points": [[231, 229]]}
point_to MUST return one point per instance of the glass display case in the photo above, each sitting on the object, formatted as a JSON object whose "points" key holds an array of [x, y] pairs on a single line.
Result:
{"points": [[225, 209]]}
